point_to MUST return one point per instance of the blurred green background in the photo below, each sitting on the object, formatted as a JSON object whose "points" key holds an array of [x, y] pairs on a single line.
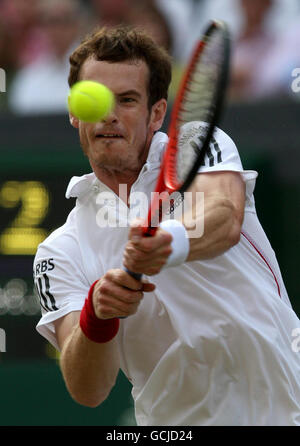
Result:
{"points": [[38, 157]]}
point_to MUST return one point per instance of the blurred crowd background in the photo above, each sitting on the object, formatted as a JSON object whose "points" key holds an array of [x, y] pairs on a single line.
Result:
{"points": [[37, 37]]}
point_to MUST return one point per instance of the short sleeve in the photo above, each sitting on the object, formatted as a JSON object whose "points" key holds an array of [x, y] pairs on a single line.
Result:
{"points": [[60, 281], [222, 155]]}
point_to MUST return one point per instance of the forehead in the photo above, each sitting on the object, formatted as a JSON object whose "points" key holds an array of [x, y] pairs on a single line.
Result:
{"points": [[118, 76]]}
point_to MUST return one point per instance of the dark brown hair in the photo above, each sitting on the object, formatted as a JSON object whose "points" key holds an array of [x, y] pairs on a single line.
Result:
{"points": [[120, 44]]}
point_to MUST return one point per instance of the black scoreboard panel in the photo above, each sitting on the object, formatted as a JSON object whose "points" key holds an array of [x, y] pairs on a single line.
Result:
{"points": [[31, 207], [38, 158]]}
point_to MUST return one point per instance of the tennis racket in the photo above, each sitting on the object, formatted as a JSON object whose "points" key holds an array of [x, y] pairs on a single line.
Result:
{"points": [[200, 98]]}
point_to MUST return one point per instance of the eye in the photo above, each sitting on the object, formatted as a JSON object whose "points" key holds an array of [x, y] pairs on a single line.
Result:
{"points": [[127, 99]]}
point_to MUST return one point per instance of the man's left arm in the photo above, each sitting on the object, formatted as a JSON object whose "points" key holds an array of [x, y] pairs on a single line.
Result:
{"points": [[223, 195]]}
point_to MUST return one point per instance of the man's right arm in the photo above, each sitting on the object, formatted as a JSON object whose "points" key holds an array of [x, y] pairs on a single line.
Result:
{"points": [[90, 368]]}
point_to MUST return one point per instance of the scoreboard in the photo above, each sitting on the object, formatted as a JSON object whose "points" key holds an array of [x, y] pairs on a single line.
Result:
{"points": [[25, 209], [38, 158], [31, 207]]}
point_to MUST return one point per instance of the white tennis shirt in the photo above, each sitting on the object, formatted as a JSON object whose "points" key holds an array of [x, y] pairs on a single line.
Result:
{"points": [[212, 345]]}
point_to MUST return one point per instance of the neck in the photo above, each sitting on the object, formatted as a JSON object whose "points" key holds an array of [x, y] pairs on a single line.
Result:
{"points": [[119, 182], [252, 29], [114, 177]]}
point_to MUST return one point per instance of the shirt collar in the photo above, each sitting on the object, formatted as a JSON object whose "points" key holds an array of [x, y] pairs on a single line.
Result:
{"points": [[157, 147], [79, 185]]}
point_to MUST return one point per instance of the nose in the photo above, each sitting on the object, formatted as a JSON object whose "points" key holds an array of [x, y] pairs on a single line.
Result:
{"points": [[111, 118]]}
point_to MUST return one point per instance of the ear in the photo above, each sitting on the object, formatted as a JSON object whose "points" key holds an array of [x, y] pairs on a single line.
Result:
{"points": [[74, 121], [158, 113]]}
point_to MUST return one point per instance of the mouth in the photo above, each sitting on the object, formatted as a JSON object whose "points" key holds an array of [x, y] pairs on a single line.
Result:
{"points": [[108, 136]]}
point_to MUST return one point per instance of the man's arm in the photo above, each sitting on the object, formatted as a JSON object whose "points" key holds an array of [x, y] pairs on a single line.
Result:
{"points": [[224, 201], [89, 368]]}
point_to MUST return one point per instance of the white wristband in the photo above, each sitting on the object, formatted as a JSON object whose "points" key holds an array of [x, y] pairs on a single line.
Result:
{"points": [[180, 243]]}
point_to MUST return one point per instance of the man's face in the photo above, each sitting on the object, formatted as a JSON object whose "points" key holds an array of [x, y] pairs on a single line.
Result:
{"points": [[121, 142]]}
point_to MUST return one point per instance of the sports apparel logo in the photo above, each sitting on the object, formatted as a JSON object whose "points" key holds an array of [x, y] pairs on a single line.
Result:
{"points": [[2, 81], [295, 86], [42, 284], [193, 135], [2, 340]]}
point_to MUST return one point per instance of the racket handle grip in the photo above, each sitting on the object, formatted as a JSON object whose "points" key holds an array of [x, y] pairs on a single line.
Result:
{"points": [[136, 276], [148, 233]]}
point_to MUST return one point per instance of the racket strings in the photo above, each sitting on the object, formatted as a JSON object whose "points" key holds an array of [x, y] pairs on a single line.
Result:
{"points": [[201, 85], [198, 103]]}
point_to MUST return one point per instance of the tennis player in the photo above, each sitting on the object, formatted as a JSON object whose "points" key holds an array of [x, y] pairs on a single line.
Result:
{"points": [[206, 338]]}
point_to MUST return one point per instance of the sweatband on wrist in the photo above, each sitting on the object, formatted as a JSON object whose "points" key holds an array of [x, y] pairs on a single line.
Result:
{"points": [[180, 244], [95, 329]]}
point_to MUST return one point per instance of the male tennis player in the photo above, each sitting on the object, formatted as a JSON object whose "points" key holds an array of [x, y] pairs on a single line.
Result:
{"points": [[208, 339]]}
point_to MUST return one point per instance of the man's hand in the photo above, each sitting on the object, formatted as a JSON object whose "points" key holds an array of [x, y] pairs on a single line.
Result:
{"points": [[146, 255], [117, 294]]}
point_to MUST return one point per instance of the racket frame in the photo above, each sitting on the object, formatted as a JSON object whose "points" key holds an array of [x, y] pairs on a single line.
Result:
{"points": [[167, 180]]}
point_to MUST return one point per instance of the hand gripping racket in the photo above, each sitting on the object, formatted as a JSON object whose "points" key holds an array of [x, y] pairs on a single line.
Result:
{"points": [[200, 98]]}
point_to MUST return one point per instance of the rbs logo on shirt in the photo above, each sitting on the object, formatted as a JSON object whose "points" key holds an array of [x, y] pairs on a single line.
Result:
{"points": [[42, 283], [43, 266]]}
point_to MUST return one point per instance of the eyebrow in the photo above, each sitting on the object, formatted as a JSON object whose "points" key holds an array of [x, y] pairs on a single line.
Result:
{"points": [[130, 93]]}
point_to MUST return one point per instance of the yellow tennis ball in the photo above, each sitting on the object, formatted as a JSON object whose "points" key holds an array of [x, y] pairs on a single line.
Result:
{"points": [[90, 101]]}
